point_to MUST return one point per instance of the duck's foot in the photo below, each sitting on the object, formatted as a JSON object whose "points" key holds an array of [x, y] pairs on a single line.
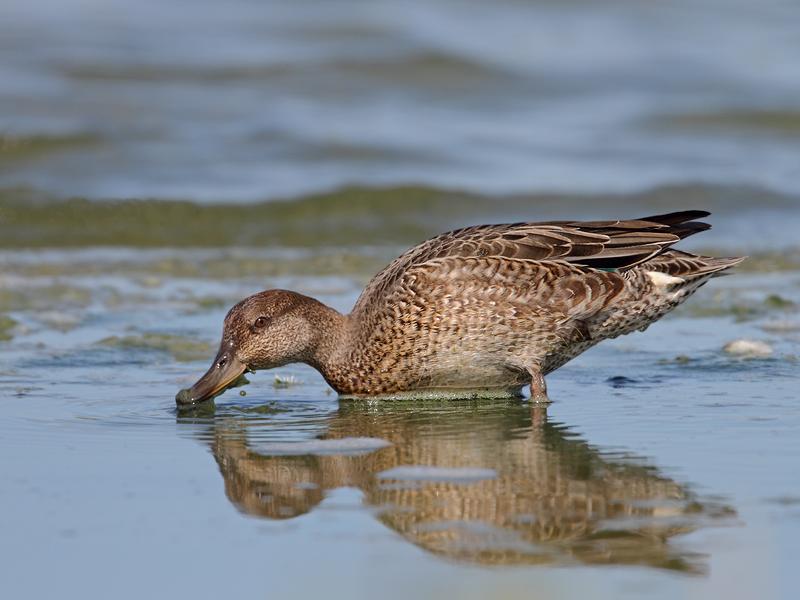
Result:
{"points": [[538, 388]]}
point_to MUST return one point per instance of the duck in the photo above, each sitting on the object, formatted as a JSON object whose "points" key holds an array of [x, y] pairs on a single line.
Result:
{"points": [[479, 312]]}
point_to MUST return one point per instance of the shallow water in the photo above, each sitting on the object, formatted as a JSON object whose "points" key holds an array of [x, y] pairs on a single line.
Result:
{"points": [[664, 465], [161, 160]]}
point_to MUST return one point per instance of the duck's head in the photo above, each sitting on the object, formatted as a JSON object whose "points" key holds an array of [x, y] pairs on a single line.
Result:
{"points": [[263, 331]]}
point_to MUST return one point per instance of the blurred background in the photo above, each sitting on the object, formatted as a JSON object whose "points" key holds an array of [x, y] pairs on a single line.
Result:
{"points": [[254, 101], [161, 160]]}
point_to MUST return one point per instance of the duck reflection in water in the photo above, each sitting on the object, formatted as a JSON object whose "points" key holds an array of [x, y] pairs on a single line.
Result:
{"points": [[487, 483]]}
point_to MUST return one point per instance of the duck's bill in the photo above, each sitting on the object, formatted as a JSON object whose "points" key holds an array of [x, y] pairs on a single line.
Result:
{"points": [[224, 373]]}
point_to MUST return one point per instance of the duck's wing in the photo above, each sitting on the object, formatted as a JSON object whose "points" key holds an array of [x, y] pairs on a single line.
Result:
{"points": [[604, 245]]}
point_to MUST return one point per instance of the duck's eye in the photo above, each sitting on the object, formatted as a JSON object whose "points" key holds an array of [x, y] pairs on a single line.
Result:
{"points": [[260, 323]]}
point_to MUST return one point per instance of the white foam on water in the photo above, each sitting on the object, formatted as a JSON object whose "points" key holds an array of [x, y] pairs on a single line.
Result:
{"points": [[748, 348]]}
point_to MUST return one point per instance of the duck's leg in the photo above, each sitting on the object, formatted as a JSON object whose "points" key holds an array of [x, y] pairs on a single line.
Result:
{"points": [[538, 417], [538, 386], [538, 423]]}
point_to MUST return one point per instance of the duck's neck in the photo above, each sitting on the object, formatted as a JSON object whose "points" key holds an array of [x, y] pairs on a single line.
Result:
{"points": [[333, 342]]}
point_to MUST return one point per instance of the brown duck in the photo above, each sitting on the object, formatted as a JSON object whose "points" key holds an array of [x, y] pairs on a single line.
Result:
{"points": [[477, 312]]}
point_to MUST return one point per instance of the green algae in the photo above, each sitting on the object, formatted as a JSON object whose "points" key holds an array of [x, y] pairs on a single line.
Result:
{"points": [[7, 324], [44, 297], [767, 261], [680, 359], [210, 302], [356, 263], [727, 303], [786, 122], [344, 218], [58, 320], [225, 266], [24, 147], [182, 349], [776, 301], [739, 311]]}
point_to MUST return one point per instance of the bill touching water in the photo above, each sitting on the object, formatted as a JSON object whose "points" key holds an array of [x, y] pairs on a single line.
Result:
{"points": [[158, 165]]}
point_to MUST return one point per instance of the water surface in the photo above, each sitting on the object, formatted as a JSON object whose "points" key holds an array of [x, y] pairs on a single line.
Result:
{"points": [[665, 464], [159, 161]]}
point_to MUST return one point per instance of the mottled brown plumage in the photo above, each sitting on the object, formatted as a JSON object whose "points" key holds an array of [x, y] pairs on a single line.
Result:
{"points": [[485, 309]]}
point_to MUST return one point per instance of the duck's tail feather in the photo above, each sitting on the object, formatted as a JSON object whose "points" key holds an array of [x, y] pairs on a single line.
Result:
{"points": [[691, 267], [682, 223]]}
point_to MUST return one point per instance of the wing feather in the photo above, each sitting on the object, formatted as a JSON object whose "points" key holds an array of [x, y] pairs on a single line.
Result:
{"points": [[602, 245]]}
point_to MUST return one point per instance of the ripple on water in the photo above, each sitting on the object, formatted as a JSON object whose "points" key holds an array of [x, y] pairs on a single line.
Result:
{"points": [[86, 425], [281, 422]]}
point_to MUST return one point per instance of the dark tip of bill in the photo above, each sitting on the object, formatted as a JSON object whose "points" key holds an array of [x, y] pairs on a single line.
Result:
{"points": [[184, 397]]}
